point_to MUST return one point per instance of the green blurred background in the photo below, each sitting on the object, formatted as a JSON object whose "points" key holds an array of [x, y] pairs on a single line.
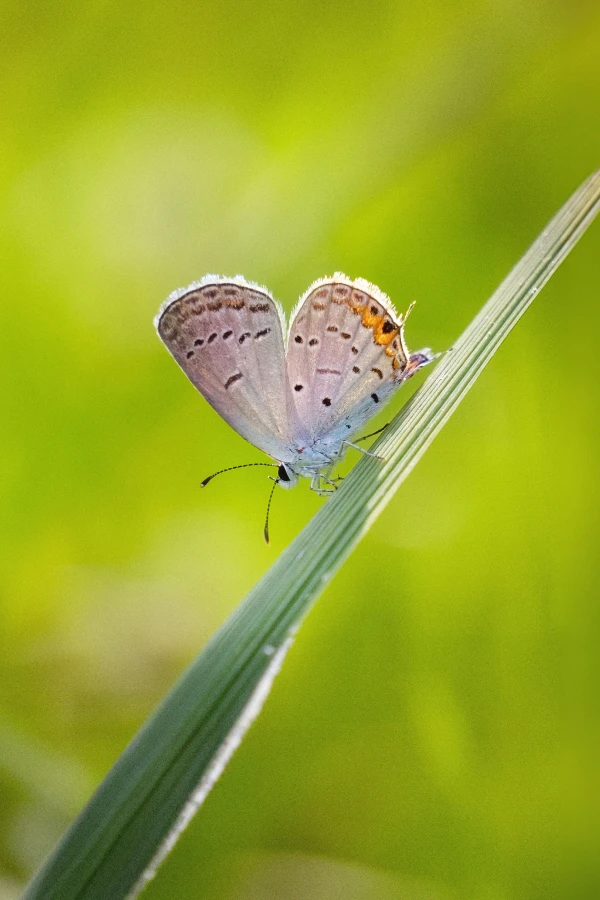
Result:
{"points": [[434, 734]]}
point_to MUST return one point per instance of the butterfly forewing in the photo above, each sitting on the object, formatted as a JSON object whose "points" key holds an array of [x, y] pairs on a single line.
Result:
{"points": [[345, 354], [227, 337]]}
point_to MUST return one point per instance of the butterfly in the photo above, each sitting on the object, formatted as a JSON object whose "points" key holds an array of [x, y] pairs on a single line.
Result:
{"points": [[298, 395]]}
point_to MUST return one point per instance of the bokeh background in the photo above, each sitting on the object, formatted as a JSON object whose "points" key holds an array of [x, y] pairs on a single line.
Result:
{"points": [[434, 734]]}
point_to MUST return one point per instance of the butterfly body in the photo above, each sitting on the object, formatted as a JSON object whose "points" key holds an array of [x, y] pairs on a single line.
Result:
{"points": [[299, 396]]}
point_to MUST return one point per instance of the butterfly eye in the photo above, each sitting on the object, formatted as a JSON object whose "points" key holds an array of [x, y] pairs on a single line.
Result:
{"points": [[282, 473]]}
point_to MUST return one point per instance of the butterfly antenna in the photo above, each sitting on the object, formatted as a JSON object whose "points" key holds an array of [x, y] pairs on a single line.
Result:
{"points": [[266, 529], [231, 468]]}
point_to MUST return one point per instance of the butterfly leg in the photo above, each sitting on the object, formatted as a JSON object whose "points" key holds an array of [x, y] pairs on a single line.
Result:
{"points": [[365, 452], [316, 486], [332, 482], [373, 433]]}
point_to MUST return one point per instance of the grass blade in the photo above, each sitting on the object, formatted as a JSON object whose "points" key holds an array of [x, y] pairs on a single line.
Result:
{"points": [[149, 796]]}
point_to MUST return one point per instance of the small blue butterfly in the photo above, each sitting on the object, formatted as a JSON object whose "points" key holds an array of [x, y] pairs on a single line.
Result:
{"points": [[300, 396]]}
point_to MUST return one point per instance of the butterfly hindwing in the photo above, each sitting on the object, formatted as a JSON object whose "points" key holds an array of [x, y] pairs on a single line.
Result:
{"points": [[227, 336], [345, 354]]}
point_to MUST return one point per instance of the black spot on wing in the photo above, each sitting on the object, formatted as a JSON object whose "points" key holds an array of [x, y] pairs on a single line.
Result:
{"points": [[232, 379]]}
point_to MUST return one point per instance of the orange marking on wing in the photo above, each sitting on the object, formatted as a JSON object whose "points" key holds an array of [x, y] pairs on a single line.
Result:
{"points": [[372, 320], [385, 330], [356, 307], [384, 336]]}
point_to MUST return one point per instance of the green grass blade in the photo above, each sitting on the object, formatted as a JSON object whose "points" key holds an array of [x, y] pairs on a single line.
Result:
{"points": [[164, 775]]}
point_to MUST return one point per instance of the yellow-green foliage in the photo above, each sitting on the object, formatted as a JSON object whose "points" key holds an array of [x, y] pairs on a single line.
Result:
{"points": [[432, 734]]}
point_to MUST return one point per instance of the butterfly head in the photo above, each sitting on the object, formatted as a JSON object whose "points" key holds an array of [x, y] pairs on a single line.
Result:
{"points": [[286, 477]]}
